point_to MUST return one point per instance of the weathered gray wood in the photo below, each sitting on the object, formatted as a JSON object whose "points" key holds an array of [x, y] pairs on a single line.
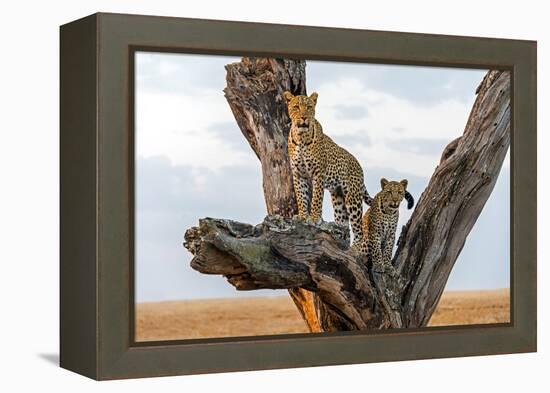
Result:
{"points": [[284, 253], [254, 93]]}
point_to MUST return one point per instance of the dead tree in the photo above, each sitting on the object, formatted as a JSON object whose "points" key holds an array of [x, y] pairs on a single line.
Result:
{"points": [[287, 253]]}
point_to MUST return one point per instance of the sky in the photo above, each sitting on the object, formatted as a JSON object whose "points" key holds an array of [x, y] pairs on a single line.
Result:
{"points": [[192, 160]]}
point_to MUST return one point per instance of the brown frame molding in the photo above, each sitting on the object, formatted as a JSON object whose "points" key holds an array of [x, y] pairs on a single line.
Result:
{"points": [[97, 334]]}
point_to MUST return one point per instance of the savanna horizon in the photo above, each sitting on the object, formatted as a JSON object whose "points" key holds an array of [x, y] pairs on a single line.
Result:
{"points": [[254, 316]]}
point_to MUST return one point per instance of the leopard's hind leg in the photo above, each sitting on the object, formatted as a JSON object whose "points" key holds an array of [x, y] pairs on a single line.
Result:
{"points": [[340, 211], [353, 200]]}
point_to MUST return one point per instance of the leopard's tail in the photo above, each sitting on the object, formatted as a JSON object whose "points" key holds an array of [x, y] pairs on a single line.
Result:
{"points": [[410, 200], [366, 197]]}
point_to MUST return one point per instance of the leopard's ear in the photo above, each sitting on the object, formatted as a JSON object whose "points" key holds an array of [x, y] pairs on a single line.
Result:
{"points": [[383, 182], [404, 183], [313, 97], [288, 96]]}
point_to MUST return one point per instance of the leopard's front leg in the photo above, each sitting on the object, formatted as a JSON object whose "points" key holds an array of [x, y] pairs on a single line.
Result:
{"points": [[387, 251], [382, 262], [303, 194], [317, 199], [375, 252]]}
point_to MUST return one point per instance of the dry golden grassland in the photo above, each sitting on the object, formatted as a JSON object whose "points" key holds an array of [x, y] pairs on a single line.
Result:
{"points": [[186, 319]]}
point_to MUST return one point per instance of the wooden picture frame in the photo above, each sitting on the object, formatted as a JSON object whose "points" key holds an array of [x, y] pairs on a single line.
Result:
{"points": [[96, 267]]}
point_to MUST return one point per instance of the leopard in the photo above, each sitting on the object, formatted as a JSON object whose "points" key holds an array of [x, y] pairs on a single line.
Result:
{"points": [[380, 224], [318, 163]]}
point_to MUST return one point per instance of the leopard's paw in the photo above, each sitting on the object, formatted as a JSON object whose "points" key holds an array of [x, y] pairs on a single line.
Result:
{"points": [[378, 267], [386, 268], [314, 220]]}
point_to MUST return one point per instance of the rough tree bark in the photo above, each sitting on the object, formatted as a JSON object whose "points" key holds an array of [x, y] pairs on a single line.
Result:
{"points": [[285, 253]]}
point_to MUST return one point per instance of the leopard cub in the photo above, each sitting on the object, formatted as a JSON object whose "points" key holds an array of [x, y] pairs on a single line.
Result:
{"points": [[380, 224]]}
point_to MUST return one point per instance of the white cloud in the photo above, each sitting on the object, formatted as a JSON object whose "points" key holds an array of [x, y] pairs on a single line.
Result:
{"points": [[389, 119], [382, 155], [180, 127]]}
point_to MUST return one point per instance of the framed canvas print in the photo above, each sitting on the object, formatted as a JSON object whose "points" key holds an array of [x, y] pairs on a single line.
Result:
{"points": [[241, 196]]}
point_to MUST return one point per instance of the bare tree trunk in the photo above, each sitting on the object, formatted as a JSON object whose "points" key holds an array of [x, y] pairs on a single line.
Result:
{"points": [[285, 253], [449, 207], [254, 93]]}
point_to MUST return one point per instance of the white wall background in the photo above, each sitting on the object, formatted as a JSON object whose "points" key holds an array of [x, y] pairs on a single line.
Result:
{"points": [[29, 197]]}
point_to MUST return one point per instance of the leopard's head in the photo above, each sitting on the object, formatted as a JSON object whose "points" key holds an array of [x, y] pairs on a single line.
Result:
{"points": [[393, 193], [301, 109]]}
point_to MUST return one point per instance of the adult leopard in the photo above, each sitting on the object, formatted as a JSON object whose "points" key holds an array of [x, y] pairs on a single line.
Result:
{"points": [[318, 163]]}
